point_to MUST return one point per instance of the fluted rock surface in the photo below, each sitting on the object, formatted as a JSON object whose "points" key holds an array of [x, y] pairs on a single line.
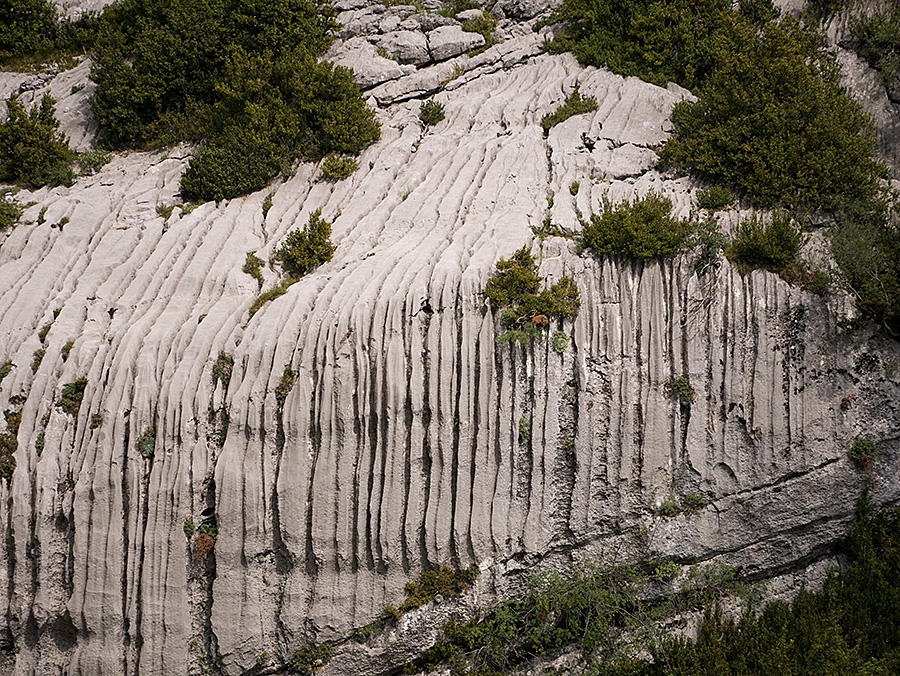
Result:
{"points": [[399, 445]]}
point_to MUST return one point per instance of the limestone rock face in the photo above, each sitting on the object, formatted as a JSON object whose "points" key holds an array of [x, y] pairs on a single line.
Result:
{"points": [[449, 41], [398, 447]]}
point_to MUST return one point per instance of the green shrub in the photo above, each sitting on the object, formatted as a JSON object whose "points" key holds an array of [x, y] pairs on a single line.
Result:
{"points": [[66, 349], [93, 161], [253, 266], [516, 288], [8, 446], [32, 150], [13, 421], [285, 385], [222, 369], [71, 396], [560, 342], [32, 31], [45, 329], [657, 40], [431, 112], [252, 88], [146, 443], [39, 442], [879, 44], [681, 388], [865, 244], [642, 230], [524, 430], [574, 104], [310, 658], [451, 9], [773, 245], [271, 294], [714, 199], [9, 213], [189, 527], [96, 420], [862, 451], [774, 121], [443, 582], [306, 248], [5, 369], [164, 211], [267, 204], [484, 25], [337, 168]]}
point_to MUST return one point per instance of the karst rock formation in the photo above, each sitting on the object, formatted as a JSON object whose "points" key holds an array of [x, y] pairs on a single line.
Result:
{"points": [[411, 438]]}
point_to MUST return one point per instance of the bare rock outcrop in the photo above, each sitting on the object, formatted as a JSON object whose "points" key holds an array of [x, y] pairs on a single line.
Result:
{"points": [[399, 446]]}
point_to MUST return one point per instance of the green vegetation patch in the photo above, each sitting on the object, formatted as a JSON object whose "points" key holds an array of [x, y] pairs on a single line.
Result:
{"points": [[658, 41], [336, 167], [641, 230], [251, 89], [306, 248], [575, 104], [33, 152], [253, 266], [774, 121], [879, 45], [8, 446], [714, 198], [285, 385], [772, 244], [5, 369], [71, 396], [9, 213], [222, 369], [146, 443], [431, 112], [516, 288], [32, 31], [484, 25]]}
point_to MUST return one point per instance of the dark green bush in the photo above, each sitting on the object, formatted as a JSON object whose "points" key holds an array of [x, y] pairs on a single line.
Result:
{"points": [[32, 30], [285, 385], [862, 451], [5, 369], [271, 294], [306, 248], [865, 243], [772, 245], [714, 199], [71, 396], [575, 104], [642, 230], [484, 25], [774, 121], [32, 150], [93, 161], [8, 446], [431, 111], [253, 266], [252, 87], [222, 369], [336, 168], [879, 45], [516, 288], [657, 40], [146, 443], [9, 213]]}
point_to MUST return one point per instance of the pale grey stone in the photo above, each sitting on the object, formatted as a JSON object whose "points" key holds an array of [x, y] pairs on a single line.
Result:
{"points": [[449, 41]]}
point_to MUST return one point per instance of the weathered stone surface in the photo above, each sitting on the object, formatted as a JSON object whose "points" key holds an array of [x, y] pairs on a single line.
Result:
{"points": [[523, 10], [369, 67], [398, 446], [406, 46], [449, 41]]}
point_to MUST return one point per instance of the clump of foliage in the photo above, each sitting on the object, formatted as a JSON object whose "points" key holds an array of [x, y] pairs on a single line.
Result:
{"points": [[431, 111], [560, 342], [13, 420], [642, 230], [71, 396], [451, 9], [439, 582], [66, 349], [773, 120], [310, 658], [45, 329], [865, 244], [681, 388], [484, 25], [252, 88], [862, 452], [222, 368], [36, 359], [285, 385], [336, 167], [96, 420], [8, 446], [189, 527], [306, 248], [879, 45], [575, 104], [9, 213], [524, 430], [714, 198], [5, 369], [33, 152], [146, 443], [93, 161], [271, 294], [253, 266], [658, 41], [39, 442], [773, 245], [164, 211], [32, 30], [516, 288]]}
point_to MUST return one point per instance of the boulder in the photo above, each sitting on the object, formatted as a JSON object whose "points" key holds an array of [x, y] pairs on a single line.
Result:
{"points": [[449, 41], [406, 46]]}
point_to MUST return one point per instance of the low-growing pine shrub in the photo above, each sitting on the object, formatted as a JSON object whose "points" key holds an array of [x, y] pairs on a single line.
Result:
{"points": [[715, 198], [431, 112], [71, 396], [641, 230], [772, 245], [336, 167], [306, 248], [32, 150], [9, 213]]}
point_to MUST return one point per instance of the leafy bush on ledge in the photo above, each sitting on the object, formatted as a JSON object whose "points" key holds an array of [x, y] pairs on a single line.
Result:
{"points": [[641, 230], [306, 248], [772, 245], [33, 152], [516, 288]]}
